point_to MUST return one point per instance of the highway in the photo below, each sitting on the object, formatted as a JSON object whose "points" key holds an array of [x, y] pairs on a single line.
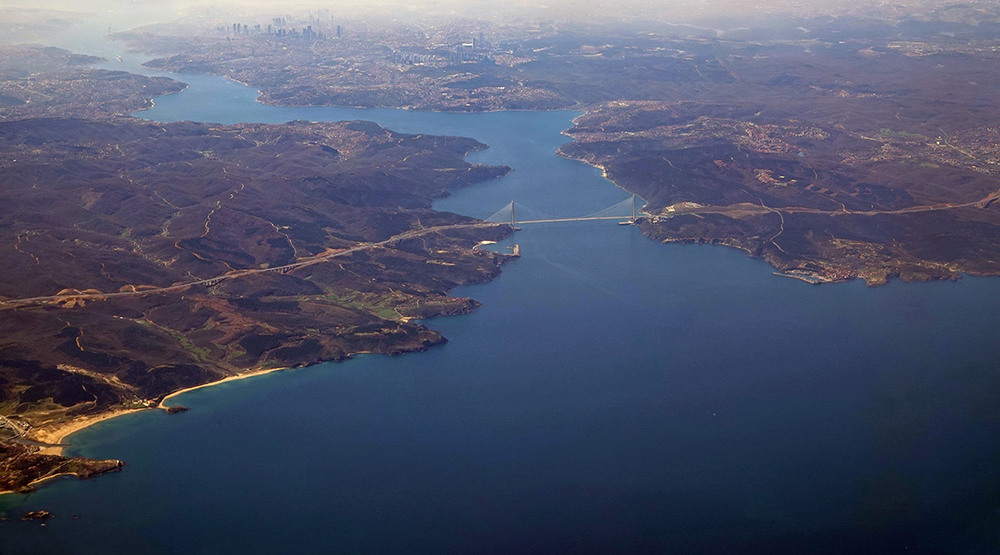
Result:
{"points": [[584, 219], [742, 208], [177, 287]]}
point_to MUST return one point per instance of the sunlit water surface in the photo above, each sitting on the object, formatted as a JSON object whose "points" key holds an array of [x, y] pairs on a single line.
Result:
{"points": [[612, 394]]}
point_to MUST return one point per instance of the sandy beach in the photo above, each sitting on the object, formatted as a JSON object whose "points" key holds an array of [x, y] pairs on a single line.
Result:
{"points": [[57, 434], [252, 374]]}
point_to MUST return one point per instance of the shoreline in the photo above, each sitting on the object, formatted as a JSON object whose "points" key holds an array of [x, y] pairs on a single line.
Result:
{"points": [[40, 481], [236, 377], [56, 436], [36, 482]]}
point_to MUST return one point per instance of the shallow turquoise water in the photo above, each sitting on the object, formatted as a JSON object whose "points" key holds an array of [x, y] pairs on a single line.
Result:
{"points": [[612, 394]]}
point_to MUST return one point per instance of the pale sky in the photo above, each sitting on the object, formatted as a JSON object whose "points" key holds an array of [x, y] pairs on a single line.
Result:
{"points": [[127, 14]]}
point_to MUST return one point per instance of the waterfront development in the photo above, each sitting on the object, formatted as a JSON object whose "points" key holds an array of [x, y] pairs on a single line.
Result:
{"points": [[611, 394]]}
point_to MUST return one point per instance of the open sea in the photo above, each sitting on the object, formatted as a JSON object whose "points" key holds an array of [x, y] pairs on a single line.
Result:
{"points": [[611, 395]]}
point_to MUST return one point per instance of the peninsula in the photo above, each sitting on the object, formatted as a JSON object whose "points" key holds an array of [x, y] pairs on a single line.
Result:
{"points": [[147, 258]]}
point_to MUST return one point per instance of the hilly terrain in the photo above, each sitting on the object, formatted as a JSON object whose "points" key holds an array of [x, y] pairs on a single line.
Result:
{"points": [[144, 258]]}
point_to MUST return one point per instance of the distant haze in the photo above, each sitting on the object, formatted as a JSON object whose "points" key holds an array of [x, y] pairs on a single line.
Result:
{"points": [[590, 11]]}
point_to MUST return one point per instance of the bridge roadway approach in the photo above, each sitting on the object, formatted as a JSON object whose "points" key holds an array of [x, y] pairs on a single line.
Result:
{"points": [[177, 287], [208, 282], [505, 216]]}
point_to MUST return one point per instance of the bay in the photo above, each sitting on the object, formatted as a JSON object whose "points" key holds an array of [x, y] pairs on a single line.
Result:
{"points": [[612, 394]]}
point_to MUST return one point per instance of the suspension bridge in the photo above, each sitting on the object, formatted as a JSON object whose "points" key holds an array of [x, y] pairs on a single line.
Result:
{"points": [[624, 210]]}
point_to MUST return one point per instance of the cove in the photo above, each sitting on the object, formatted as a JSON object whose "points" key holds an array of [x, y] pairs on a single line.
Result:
{"points": [[612, 394]]}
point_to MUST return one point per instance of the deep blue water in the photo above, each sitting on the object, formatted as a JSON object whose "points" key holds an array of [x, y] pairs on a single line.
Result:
{"points": [[612, 394]]}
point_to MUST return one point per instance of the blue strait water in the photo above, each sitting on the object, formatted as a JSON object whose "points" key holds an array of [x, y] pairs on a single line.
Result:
{"points": [[611, 395]]}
